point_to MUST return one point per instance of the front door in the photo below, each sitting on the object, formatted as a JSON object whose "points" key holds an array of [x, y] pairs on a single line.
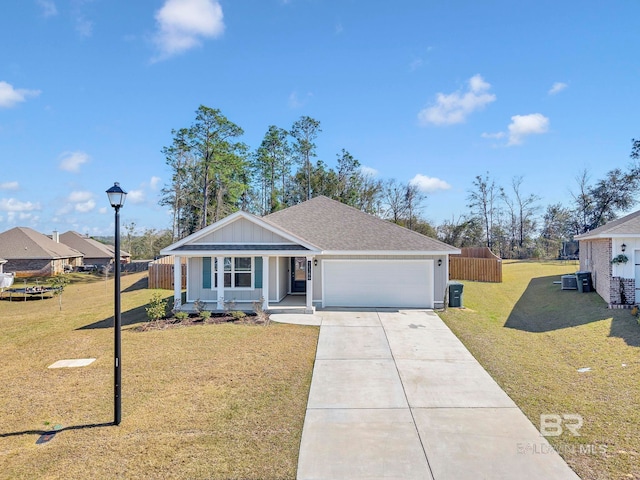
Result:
{"points": [[298, 274]]}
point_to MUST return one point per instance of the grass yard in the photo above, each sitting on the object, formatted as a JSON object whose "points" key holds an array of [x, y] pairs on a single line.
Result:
{"points": [[532, 337], [214, 401]]}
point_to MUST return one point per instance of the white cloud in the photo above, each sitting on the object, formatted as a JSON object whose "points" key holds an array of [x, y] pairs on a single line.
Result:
{"points": [[557, 88], [455, 107], [71, 161], [9, 186], [523, 125], [83, 26], [80, 196], [64, 209], [84, 207], [103, 210], [136, 196], [183, 23], [416, 64], [154, 182], [428, 184], [368, 171], [13, 205], [496, 135], [80, 200], [48, 8], [10, 96], [296, 102]]}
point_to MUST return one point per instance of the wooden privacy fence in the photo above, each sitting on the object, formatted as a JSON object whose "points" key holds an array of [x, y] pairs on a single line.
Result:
{"points": [[161, 273], [478, 264]]}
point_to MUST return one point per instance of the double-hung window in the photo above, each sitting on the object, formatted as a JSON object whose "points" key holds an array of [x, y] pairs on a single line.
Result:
{"points": [[238, 272]]}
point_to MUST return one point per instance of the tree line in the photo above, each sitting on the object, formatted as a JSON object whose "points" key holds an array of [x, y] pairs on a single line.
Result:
{"points": [[213, 174]]}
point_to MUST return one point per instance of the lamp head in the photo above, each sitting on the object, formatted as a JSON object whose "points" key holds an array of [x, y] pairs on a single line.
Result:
{"points": [[116, 195]]}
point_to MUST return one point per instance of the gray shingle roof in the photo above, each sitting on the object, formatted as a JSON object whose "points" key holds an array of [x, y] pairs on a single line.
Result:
{"points": [[629, 225], [25, 243], [88, 246], [334, 226]]}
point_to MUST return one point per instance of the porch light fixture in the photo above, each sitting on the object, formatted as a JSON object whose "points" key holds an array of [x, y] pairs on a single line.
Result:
{"points": [[439, 262], [623, 247], [116, 199], [315, 262]]}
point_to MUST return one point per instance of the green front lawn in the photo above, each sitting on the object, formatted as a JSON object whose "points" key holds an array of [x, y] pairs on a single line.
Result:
{"points": [[208, 401], [533, 337]]}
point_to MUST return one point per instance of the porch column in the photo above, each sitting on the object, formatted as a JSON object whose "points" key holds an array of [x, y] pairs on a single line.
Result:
{"points": [[220, 283], [177, 280], [309, 293], [265, 283]]}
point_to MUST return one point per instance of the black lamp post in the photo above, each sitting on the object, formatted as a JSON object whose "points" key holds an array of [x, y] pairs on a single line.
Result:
{"points": [[116, 199]]}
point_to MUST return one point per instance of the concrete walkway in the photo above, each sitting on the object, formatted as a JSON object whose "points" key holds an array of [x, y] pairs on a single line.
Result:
{"points": [[395, 395]]}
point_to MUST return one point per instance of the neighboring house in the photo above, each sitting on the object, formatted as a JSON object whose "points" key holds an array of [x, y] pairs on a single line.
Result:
{"points": [[616, 282], [95, 253], [125, 257], [330, 254], [30, 253]]}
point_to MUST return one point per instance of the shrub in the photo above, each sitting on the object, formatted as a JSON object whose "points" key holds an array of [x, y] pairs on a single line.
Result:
{"points": [[205, 314], [238, 315], [199, 305], [156, 308], [182, 316], [261, 315]]}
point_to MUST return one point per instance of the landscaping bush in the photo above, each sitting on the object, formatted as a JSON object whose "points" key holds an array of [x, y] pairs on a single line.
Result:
{"points": [[156, 308]]}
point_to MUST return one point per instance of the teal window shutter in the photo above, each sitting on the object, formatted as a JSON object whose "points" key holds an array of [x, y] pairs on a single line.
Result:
{"points": [[206, 272], [258, 274]]}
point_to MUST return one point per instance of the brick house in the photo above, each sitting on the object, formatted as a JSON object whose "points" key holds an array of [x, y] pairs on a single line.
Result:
{"points": [[612, 254], [31, 254], [95, 253]]}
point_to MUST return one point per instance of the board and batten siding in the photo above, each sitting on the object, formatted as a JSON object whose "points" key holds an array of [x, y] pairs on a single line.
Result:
{"points": [[242, 231], [196, 290]]}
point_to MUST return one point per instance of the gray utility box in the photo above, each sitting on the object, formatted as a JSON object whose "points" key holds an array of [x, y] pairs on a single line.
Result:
{"points": [[455, 295], [584, 281], [569, 282]]}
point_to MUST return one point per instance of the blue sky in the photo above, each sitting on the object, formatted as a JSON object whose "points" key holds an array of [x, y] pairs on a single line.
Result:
{"points": [[430, 92]]}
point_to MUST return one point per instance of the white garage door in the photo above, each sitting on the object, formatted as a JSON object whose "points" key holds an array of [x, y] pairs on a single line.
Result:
{"points": [[377, 283]]}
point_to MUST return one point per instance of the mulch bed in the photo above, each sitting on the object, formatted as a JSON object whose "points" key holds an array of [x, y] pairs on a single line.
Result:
{"points": [[192, 321]]}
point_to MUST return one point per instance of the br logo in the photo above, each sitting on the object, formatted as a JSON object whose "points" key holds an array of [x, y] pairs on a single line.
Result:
{"points": [[552, 425]]}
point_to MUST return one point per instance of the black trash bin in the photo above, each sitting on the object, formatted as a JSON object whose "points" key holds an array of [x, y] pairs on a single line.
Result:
{"points": [[455, 295], [585, 284]]}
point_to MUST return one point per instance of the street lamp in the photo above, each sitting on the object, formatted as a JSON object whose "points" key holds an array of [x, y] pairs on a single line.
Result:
{"points": [[116, 199]]}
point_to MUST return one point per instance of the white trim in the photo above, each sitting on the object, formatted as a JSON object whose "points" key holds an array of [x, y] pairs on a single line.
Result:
{"points": [[220, 281], [194, 237], [265, 283], [233, 272], [242, 253], [587, 236], [381, 253], [177, 280]]}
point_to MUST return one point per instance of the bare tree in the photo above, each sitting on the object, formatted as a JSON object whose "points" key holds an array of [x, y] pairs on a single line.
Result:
{"points": [[482, 201]]}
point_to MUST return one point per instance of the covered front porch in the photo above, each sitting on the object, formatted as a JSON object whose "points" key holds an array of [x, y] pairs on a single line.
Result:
{"points": [[270, 282], [291, 303]]}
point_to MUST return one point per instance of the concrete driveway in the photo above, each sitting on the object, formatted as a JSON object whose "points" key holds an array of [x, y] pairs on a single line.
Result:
{"points": [[395, 395]]}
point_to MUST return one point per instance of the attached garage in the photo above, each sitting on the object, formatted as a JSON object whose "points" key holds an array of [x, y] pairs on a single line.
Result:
{"points": [[378, 283]]}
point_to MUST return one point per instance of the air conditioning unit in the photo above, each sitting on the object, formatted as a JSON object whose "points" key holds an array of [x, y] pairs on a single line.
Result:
{"points": [[569, 282]]}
